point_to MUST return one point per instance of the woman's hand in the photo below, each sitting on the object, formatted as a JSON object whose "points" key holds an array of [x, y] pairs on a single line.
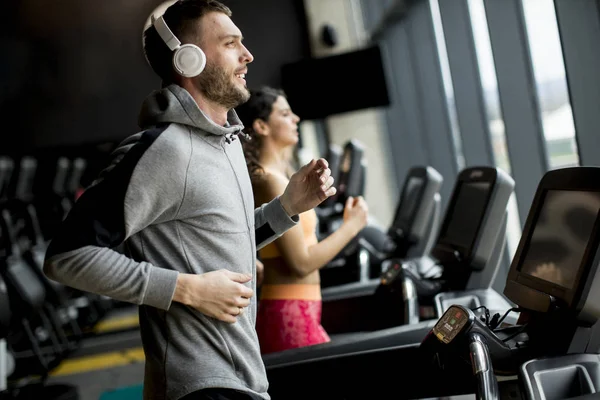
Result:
{"points": [[260, 273], [356, 213]]}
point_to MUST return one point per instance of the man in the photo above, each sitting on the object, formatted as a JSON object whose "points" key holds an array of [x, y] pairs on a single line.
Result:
{"points": [[178, 196]]}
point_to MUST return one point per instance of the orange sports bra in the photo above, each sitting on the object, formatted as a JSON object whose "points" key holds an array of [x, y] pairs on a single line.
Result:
{"points": [[308, 221]]}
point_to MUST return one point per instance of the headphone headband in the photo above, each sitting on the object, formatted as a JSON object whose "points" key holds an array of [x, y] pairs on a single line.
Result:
{"points": [[188, 60], [165, 33]]}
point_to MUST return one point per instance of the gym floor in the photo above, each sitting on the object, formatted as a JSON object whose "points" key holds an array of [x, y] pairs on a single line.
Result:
{"points": [[94, 384], [111, 360]]}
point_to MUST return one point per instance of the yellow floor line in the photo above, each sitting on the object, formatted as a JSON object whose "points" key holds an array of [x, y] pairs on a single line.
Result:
{"points": [[117, 323], [102, 361]]}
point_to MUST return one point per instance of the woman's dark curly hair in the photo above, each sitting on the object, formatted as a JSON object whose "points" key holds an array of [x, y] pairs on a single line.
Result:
{"points": [[259, 106]]}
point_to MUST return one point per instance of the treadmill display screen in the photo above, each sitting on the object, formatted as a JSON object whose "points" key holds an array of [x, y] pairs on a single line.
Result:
{"points": [[466, 214], [408, 203], [556, 248], [451, 324]]}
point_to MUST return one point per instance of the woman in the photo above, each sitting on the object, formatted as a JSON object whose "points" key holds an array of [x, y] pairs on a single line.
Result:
{"points": [[289, 310]]}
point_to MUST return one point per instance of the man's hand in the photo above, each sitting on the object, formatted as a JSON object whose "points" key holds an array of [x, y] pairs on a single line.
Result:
{"points": [[218, 294], [308, 187]]}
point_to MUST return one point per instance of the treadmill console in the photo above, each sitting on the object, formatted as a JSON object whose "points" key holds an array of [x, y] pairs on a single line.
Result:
{"points": [[453, 322], [392, 268], [556, 262]]}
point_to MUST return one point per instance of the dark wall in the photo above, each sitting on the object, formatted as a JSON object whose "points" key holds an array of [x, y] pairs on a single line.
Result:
{"points": [[72, 72], [275, 32]]}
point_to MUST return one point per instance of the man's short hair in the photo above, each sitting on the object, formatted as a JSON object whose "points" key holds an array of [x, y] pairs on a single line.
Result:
{"points": [[181, 18]]}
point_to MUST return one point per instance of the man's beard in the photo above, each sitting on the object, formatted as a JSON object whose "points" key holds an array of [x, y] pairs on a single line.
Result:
{"points": [[218, 87]]}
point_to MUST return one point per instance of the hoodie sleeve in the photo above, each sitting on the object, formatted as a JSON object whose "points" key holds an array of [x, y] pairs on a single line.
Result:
{"points": [[82, 252], [271, 221]]}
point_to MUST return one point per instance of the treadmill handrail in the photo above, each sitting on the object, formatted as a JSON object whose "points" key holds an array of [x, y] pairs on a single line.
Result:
{"points": [[434, 225], [353, 289]]}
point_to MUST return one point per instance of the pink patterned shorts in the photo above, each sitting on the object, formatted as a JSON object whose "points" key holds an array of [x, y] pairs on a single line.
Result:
{"points": [[283, 324]]}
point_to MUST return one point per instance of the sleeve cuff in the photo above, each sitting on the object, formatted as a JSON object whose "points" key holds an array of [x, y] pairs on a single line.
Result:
{"points": [[161, 288], [280, 221]]}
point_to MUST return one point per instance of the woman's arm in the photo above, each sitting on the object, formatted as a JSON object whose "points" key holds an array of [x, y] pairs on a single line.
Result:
{"points": [[302, 258]]}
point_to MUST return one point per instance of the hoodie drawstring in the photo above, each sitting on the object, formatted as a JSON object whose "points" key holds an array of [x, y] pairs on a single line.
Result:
{"points": [[230, 137]]}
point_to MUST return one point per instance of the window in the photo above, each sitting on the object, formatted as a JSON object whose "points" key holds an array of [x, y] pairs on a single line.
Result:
{"points": [[447, 79], [489, 83], [551, 83]]}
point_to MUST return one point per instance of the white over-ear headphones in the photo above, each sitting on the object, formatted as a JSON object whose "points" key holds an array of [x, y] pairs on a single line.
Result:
{"points": [[188, 59]]}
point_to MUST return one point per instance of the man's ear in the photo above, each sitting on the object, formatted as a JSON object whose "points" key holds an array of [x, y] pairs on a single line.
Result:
{"points": [[260, 127]]}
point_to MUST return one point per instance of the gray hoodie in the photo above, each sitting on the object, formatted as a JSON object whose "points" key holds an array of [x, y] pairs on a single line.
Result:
{"points": [[177, 198]]}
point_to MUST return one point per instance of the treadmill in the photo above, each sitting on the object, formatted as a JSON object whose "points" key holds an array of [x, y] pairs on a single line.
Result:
{"points": [[412, 232], [462, 354], [5, 319], [555, 282], [416, 220], [346, 266], [466, 256], [6, 173]]}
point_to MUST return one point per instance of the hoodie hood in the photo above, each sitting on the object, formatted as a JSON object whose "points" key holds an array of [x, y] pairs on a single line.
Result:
{"points": [[174, 104]]}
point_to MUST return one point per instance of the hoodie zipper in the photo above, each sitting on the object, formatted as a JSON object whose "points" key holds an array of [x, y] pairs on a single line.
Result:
{"points": [[237, 180], [249, 228]]}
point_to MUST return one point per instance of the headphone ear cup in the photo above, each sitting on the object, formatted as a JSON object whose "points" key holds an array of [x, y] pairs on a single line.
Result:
{"points": [[189, 60]]}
